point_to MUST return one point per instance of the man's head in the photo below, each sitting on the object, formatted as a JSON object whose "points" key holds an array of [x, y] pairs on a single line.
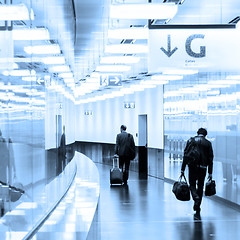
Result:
{"points": [[202, 131], [123, 128]]}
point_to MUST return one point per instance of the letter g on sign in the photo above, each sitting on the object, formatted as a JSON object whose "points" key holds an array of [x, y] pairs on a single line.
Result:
{"points": [[189, 50]]}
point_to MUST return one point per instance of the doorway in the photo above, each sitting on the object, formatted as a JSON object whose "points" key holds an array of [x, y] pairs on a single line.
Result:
{"points": [[142, 143]]}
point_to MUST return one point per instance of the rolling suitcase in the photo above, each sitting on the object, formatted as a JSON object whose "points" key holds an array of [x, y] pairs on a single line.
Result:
{"points": [[116, 175]]}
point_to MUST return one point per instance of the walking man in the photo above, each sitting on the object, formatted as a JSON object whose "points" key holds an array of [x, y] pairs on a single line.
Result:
{"points": [[197, 171], [125, 149]]}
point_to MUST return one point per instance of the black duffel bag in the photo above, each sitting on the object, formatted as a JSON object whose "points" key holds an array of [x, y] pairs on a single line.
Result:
{"points": [[181, 189], [210, 188]]}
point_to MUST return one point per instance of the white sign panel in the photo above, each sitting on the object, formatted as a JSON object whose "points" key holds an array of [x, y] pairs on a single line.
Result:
{"points": [[200, 49], [111, 80], [6, 50]]}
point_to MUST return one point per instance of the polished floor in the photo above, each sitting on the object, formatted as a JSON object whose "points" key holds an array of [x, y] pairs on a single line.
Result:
{"points": [[144, 209]]}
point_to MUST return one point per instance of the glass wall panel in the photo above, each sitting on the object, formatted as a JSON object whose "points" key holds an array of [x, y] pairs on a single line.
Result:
{"points": [[209, 100], [34, 156]]}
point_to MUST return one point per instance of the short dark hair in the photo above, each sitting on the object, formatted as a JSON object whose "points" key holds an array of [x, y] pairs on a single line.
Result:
{"points": [[202, 131], [123, 127]]}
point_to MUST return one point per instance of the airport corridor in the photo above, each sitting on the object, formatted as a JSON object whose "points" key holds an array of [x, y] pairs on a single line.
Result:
{"points": [[147, 209]]}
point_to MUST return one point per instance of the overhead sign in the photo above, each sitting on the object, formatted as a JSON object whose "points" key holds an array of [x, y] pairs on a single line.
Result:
{"points": [[115, 80], [111, 80], [202, 49], [88, 112], [129, 104]]}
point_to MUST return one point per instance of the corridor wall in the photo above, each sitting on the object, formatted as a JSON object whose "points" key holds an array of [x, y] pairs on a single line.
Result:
{"points": [[100, 121]]}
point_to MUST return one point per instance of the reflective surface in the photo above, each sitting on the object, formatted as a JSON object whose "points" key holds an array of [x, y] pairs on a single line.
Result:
{"points": [[73, 217], [198, 102], [147, 209]]}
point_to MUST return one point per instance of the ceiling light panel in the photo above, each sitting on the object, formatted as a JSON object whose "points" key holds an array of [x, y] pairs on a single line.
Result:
{"points": [[128, 33], [143, 11], [126, 48], [119, 60], [13, 12], [53, 60], [31, 34], [43, 49], [113, 68], [59, 68]]}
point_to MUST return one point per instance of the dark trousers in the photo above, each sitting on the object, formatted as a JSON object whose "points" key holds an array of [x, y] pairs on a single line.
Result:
{"points": [[124, 163], [196, 180]]}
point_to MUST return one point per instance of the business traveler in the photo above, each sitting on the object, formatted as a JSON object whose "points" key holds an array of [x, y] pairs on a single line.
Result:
{"points": [[125, 149], [197, 172]]}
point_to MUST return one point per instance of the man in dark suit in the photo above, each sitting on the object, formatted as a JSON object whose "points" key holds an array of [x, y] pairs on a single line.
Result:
{"points": [[197, 172], [124, 147]]}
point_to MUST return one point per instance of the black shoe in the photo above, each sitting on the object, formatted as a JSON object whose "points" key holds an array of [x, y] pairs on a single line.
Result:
{"points": [[197, 215]]}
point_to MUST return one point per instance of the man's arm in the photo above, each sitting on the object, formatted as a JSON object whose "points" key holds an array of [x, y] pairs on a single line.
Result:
{"points": [[210, 160], [116, 146], [184, 163]]}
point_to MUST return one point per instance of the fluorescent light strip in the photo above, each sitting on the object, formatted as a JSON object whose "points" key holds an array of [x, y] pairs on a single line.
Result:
{"points": [[65, 75], [61, 68], [53, 60], [143, 11], [29, 79], [233, 77], [128, 33], [152, 82], [113, 68], [13, 12], [31, 34], [19, 73], [68, 80], [119, 60], [166, 77], [180, 72], [43, 49], [126, 48]]}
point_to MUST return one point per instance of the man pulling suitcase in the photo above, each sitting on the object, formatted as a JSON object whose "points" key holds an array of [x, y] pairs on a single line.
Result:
{"points": [[125, 149]]}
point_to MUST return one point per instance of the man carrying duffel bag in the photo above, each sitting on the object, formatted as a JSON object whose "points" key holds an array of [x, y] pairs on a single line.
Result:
{"points": [[198, 155]]}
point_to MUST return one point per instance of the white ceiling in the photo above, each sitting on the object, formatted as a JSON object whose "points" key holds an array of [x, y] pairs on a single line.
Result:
{"points": [[80, 27]]}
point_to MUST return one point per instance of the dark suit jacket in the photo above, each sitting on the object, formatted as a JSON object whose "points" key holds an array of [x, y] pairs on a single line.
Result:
{"points": [[124, 140], [206, 153]]}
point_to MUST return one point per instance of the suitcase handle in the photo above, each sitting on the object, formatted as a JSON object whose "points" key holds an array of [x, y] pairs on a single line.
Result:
{"points": [[116, 158]]}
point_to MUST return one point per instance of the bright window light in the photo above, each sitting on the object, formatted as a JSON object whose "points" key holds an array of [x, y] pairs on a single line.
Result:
{"points": [[229, 81], [151, 82], [32, 14], [143, 11], [65, 75], [113, 68], [117, 94], [166, 77], [29, 79], [181, 72], [13, 12], [61, 68], [127, 90], [126, 48], [233, 77], [119, 60], [19, 73], [128, 33], [43, 49], [68, 80], [30, 34], [53, 60], [15, 66], [137, 88]]}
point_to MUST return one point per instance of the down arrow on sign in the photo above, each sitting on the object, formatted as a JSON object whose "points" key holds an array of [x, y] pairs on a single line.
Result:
{"points": [[169, 52]]}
